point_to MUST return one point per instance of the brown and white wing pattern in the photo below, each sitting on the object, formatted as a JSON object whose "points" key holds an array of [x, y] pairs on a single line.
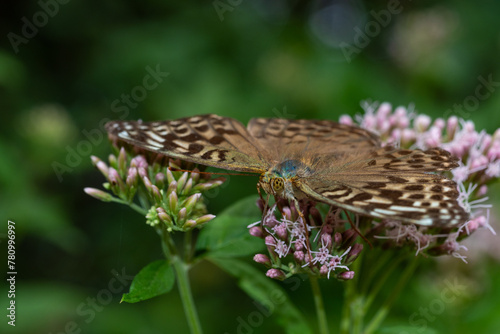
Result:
{"points": [[391, 184], [209, 140], [296, 137]]}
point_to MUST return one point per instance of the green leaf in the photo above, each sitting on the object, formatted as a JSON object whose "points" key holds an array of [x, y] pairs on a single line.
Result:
{"points": [[153, 280], [227, 235], [268, 293]]}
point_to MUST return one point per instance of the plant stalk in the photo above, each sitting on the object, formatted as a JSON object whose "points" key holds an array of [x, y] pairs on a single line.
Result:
{"points": [[320, 307]]}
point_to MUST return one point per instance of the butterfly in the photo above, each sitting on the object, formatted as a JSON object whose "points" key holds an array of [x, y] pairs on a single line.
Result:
{"points": [[340, 165]]}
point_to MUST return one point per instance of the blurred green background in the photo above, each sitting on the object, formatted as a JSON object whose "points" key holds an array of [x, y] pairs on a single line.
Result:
{"points": [[66, 68]]}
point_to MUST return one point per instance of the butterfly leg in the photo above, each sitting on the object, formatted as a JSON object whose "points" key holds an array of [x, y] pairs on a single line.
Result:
{"points": [[357, 230], [264, 211]]}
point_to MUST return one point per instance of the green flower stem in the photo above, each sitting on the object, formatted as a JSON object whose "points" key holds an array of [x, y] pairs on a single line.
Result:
{"points": [[382, 278], [181, 268], [382, 312], [134, 206], [318, 302], [188, 246], [181, 273], [351, 301]]}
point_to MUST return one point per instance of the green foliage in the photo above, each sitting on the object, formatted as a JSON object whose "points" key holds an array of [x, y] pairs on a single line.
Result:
{"points": [[153, 280], [273, 298], [227, 235]]}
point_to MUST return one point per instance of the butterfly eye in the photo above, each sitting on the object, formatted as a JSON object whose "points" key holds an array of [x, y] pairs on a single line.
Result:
{"points": [[278, 184]]}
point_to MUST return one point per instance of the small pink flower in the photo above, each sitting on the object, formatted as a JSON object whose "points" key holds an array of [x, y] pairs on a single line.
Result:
{"points": [[346, 119], [422, 122], [493, 169]]}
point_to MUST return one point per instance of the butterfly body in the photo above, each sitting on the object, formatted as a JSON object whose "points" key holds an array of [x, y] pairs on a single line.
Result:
{"points": [[340, 165], [283, 178]]}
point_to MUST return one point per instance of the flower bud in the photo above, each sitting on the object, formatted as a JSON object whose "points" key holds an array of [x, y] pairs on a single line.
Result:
{"points": [[112, 161], [94, 159], [142, 172], [346, 119], [132, 177], [139, 161], [99, 194], [103, 168], [194, 175], [122, 161], [263, 259], [187, 187], [181, 182], [204, 219], [337, 238], [172, 201], [276, 274], [326, 239], [422, 122], [156, 193], [287, 213], [353, 253], [160, 180], [451, 127], [163, 215], [281, 231], [116, 182], [189, 224], [191, 201], [172, 187], [148, 184], [181, 215], [346, 275], [299, 256], [256, 231], [482, 191], [170, 176], [384, 110]]}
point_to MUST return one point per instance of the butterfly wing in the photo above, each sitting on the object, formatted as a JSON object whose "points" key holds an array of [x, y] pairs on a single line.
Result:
{"points": [[295, 138], [208, 140], [389, 183]]}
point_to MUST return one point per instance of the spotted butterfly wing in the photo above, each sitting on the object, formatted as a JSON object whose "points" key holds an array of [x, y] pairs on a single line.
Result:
{"points": [[294, 138], [208, 140], [389, 183], [346, 166]]}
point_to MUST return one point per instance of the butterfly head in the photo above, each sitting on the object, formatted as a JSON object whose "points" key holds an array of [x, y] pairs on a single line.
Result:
{"points": [[275, 184], [279, 179]]}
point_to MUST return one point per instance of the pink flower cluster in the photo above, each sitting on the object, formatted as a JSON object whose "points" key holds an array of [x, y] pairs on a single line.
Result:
{"points": [[478, 151], [329, 253], [172, 198]]}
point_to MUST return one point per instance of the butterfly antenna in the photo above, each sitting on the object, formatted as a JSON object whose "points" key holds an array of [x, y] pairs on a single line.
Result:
{"points": [[357, 230], [173, 169]]}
